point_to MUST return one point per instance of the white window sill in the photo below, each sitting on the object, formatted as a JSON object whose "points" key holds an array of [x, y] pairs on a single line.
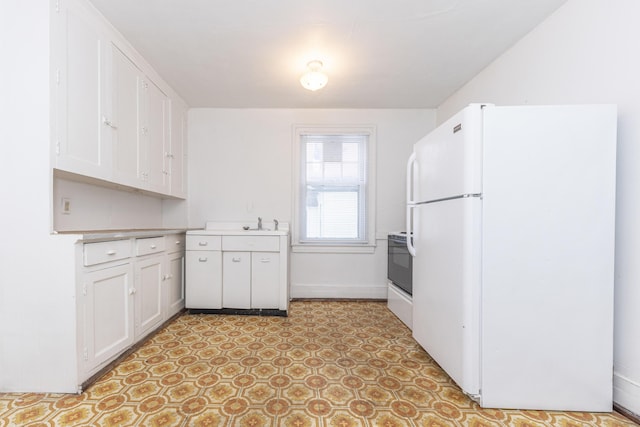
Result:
{"points": [[332, 249]]}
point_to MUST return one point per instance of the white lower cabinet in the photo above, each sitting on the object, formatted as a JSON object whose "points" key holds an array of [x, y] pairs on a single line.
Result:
{"points": [[127, 288], [174, 284], [107, 314], [236, 280], [250, 280], [148, 294], [204, 279], [244, 272], [174, 277], [265, 279]]}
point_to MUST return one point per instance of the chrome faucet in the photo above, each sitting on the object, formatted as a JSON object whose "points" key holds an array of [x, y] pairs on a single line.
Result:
{"points": [[275, 221], [259, 223]]}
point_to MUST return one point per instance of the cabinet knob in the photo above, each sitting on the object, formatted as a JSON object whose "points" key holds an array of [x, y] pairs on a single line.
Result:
{"points": [[153, 246], [202, 259], [178, 242], [132, 291], [111, 252], [109, 123], [203, 243]]}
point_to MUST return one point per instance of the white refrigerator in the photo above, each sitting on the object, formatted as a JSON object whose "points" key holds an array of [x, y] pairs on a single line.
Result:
{"points": [[512, 213]]}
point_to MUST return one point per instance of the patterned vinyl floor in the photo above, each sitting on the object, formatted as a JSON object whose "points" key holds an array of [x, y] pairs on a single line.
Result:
{"points": [[333, 364]]}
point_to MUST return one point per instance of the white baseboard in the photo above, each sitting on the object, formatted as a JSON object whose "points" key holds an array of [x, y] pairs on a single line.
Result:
{"points": [[626, 393], [338, 291]]}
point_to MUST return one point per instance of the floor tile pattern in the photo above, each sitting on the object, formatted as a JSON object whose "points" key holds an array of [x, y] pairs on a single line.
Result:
{"points": [[330, 364]]}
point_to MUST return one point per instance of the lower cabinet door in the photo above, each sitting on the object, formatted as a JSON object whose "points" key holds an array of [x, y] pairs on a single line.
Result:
{"points": [[148, 295], [203, 277], [107, 310], [236, 280], [175, 284], [265, 279]]}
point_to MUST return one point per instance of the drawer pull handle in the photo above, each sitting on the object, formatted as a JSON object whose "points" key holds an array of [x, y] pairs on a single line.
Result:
{"points": [[178, 242], [111, 252], [153, 246], [203, 243], [265, 260], [202, 259], [236, 259]]}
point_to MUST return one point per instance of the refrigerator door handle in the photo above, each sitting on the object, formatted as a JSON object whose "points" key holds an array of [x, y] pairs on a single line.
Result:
{"points": [[411, 166], [410, 247]]}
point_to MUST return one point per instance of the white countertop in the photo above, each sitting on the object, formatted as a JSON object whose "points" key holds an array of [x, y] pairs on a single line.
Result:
{"points": [[99, 236], [238, 229]]}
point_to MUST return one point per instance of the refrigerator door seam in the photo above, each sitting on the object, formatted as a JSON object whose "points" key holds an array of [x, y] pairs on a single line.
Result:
{"points": [[461, 196]]}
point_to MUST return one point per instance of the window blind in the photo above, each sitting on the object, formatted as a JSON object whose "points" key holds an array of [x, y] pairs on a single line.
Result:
{"points": [[333, 188]]}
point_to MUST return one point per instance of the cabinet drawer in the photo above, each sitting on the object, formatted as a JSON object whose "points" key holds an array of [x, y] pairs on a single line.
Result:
{"points": [[251, 243], [97, 253], [203, 243], [175, 242], [150, 245]]}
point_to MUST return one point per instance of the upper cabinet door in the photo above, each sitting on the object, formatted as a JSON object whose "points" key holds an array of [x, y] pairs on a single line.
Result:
{"points": [[126, 82], [83, 120], [153, 133], [178, 150]]}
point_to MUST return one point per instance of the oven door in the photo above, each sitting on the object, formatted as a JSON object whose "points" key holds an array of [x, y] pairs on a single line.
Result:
{"points": [[399, 270]]}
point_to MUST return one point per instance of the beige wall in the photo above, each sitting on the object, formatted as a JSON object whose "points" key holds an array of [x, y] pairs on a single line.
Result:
{"points": [[37, 288], [240, 167]]}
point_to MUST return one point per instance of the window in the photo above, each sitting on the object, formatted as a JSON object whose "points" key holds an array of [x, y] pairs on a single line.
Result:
{"points": [[334, 193]]}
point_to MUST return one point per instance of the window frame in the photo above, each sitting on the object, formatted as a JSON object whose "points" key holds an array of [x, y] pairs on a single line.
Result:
{"points": [[368, 246]]}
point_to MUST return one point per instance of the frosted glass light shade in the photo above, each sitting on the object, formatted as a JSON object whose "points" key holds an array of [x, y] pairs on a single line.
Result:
{"points": [[314, 78]]}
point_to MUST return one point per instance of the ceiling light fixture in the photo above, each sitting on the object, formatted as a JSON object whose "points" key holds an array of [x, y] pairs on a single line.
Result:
{"points": [[314, 78]]}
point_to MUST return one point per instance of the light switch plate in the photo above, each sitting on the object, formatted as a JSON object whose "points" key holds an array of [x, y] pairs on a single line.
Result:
{"points": [[66, 206]]}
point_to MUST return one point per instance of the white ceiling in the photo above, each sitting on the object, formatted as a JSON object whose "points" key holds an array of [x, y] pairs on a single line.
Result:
{"points": [[377, 53]]}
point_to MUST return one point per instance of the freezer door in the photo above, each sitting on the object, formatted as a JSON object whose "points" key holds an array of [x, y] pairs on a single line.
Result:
{"points": [[448, 160], [446, 287]]}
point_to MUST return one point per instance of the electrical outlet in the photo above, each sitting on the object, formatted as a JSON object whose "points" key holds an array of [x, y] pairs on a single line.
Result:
{"points": [[66, 206]]}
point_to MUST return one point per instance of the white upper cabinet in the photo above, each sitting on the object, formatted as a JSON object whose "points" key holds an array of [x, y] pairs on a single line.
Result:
{"points": [[81, 140], [112, 121], [153, 137], [126, 80], [178, 150]]}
